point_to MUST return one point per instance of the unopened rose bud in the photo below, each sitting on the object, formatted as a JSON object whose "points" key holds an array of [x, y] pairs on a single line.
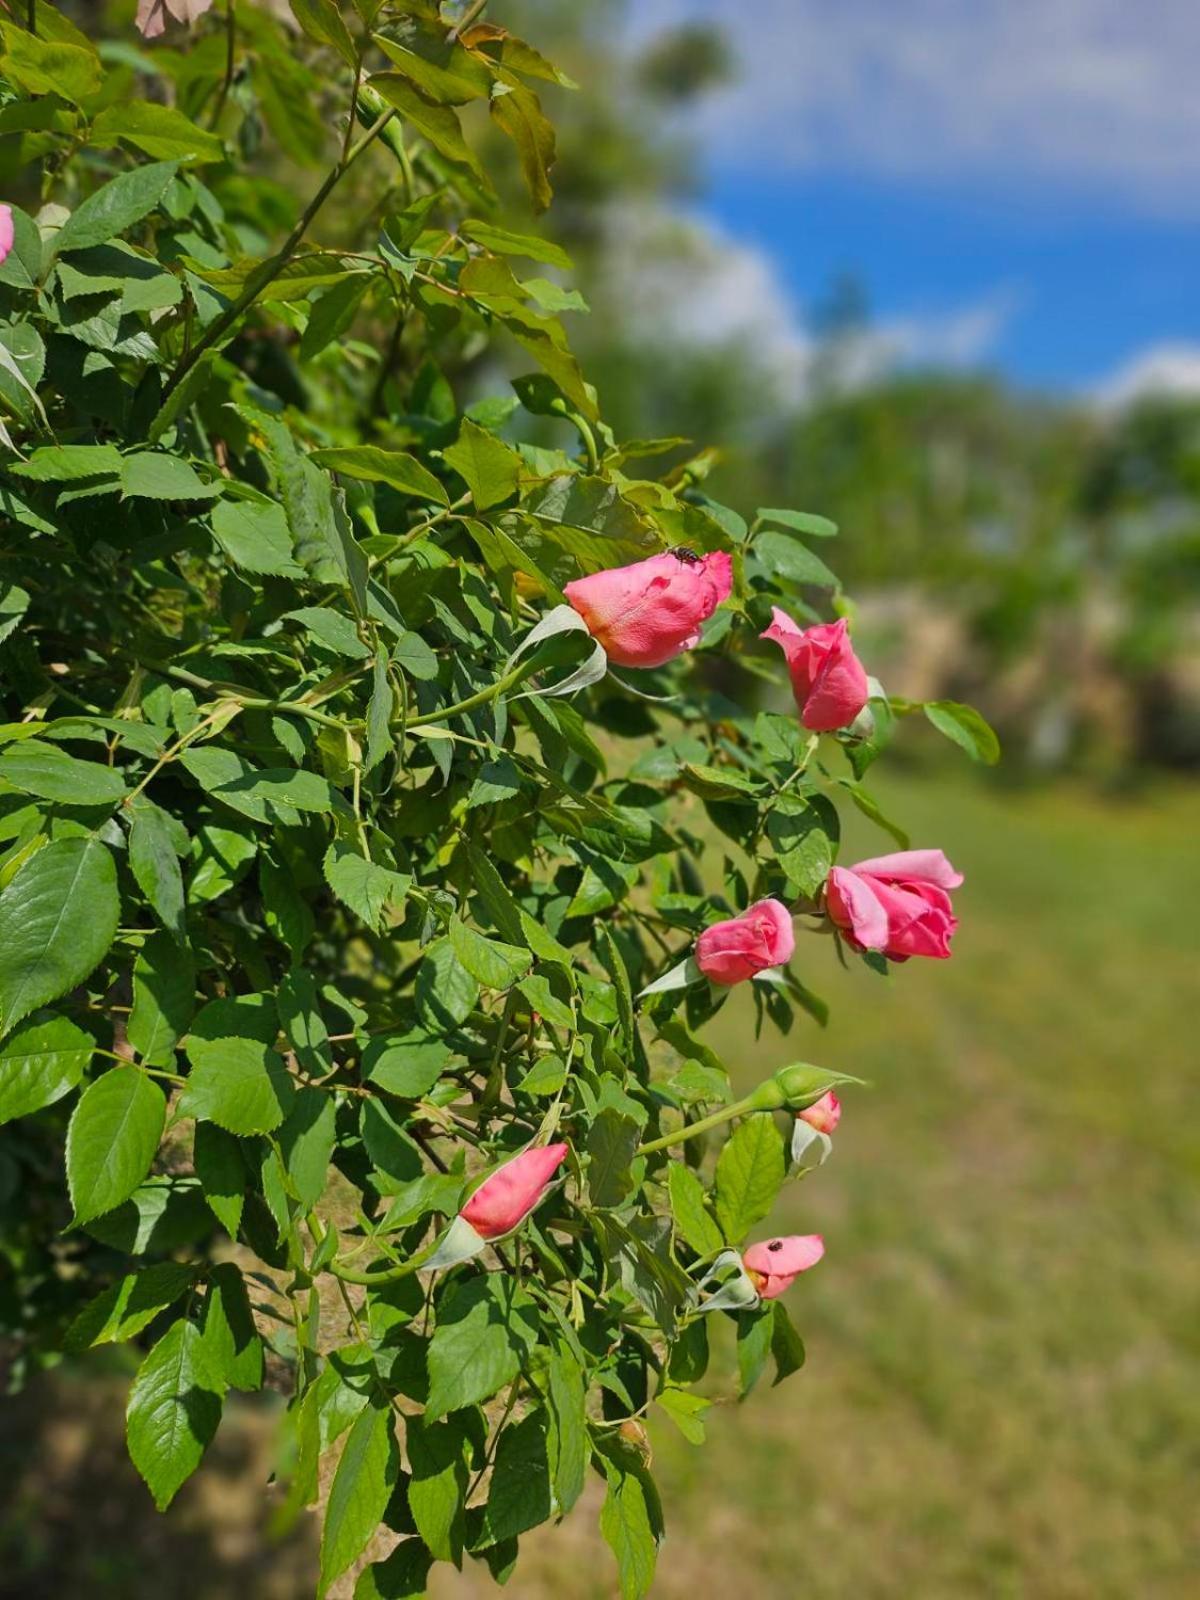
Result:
{"points": [[503, 1201], [824, 1114], [761, 937], [651, 611]]}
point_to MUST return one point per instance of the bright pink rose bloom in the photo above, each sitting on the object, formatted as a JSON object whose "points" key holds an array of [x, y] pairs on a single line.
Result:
{"points": [[761, 937], [503, 1201], [827, 677], [652, 611], [898, 904], [824, 1114], [774, 1263], [6, 233]]}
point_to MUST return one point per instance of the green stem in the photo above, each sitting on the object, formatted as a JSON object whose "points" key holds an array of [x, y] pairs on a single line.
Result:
{"points": [[268, 271], [492, 692], [752, 1102], [389, 1275], [230, 62], [589, 440]]}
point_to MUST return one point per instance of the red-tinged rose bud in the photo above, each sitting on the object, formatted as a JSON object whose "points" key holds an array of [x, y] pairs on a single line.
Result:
{"points": [[898, 904], [652, 610], [503, 1201], [824, 1114], [761, 937], [773, 1264], [828, 679], [6, 233]]}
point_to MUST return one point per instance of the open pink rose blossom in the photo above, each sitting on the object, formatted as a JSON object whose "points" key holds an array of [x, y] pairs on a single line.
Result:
{"points": [[773, 1264], [6, 233], [761, 937], [503, 1201], [898, 904], [652, 611], [824, 1114], [827, 677]]}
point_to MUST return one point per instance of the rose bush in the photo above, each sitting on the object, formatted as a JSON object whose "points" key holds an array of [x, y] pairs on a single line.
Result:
{"points": [[338, 872]]}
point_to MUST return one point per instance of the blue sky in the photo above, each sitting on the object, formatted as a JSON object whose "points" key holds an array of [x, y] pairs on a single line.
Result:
{"points": [[1015, 182]]}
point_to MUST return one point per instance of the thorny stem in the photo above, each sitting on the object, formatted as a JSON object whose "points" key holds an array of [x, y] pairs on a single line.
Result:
{"points": [[691, 1129]]}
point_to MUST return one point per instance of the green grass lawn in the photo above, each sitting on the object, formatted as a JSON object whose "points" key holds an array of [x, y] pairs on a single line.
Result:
{"points": [[1001, 1396]]}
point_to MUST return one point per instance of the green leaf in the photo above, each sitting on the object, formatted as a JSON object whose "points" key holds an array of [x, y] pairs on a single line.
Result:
{"points": [[330, 628], [58, 917], [155, 866], [14, 603], [159, 131], [756, 1330], [164, 999], [503, 242], [631, 1522], [40, 1063], [437, 123], [519, 114], [173, 1412], [301, 1019], [966, 728], [217, 1158], [407, 1065], [490, 962], [360, 1492], [40, 769], [570, 1446], [306, 1140], [232, 1347], [611, 1142], [799, 831], [445, 991], [488, 467], [520, 1497], [786, 1344], [116, 206], [150, 475], [801, 521], [270, 794], [379, 714], [369, 890], [403, 1576], [439, 67], [437, 1458], [255, 536], [69, 463], [113, 1136], [285, 910], [161, 1214], [689, 1207], [47, 66], [240, 1084], [394, 467], [486, 1327], [750, 1173], [322, 22], [685, 1411], [786, 558], [126, 1307]]}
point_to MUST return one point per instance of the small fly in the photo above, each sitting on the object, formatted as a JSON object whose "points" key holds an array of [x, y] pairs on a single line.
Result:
{"points": [[684, 553]]}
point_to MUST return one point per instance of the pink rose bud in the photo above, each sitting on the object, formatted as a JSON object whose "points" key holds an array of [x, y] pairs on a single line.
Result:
{"points": [[6, 233], [761, 937], [774, 1263], [827, 677], [824, 1114], [503, 1201], [898, 904], [652, 611]]}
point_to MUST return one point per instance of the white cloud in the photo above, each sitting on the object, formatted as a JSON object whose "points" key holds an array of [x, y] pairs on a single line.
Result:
{"points": [[1163, 369], [682, 279], [1098, 92]]}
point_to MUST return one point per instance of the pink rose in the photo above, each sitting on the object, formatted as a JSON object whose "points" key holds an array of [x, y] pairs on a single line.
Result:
{"points": [[650, 612], [774, 1263], [824, 1114], [761, 937], [827, 677], [6, 233], [898, 904], [503, 1201]]}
